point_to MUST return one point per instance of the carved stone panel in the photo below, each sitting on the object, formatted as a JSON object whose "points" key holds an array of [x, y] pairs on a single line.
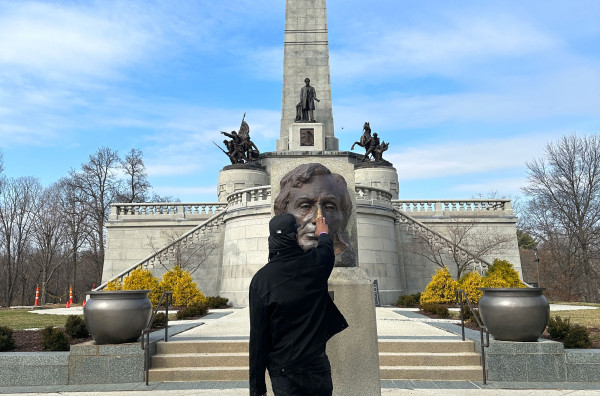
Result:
{"points": [[307, 137]]}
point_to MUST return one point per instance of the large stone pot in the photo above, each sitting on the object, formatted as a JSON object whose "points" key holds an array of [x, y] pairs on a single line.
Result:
{"points": [[514, 314], [115, 317]]}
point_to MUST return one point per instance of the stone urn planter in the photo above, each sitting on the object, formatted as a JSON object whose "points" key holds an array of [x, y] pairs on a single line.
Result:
{"points": [[115, 317], [514, 314]]}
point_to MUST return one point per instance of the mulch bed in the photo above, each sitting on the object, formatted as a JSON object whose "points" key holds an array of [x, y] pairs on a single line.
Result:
{"points": [[31, 341]]}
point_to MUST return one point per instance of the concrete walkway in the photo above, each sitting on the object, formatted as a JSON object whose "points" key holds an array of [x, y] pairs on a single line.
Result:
{"points": [[392, 323]]}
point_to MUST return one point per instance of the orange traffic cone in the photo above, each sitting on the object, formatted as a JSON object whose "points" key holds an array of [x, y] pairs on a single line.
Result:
{"points": [[37, 295], [70, 294], [83, 304], [68, 305]]}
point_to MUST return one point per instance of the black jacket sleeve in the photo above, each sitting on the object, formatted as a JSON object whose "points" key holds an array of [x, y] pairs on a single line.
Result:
{"points": [[325, 254], [259, 343]]}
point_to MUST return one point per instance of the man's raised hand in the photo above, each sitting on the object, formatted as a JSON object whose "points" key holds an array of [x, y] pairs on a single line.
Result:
{"points": [[322, 226]]}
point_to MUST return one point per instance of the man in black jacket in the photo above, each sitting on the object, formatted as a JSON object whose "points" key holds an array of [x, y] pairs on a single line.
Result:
{"points": [[291, 313]]}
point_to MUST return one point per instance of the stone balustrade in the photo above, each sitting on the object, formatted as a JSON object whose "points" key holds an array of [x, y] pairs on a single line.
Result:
{"points": [[499, 207], [250, 196], [427, 233], [197, 233], [151, 209], [369, 193]]}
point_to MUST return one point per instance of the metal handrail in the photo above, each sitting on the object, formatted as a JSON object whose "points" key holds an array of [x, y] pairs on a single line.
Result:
{"points": [[145, 342], [460, 302]]}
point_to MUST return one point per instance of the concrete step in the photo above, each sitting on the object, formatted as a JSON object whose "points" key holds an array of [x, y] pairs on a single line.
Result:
{"points": [[438, 373], [429, 359], [200, 360], [199, 374], [426, 346], [203, 346]]}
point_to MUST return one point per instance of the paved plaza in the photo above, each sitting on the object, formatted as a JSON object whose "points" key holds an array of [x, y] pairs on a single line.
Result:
{"points": [[392, 323]]}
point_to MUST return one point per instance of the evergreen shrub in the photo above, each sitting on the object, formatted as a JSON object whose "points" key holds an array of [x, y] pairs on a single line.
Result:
{"points": [[54, 339], [435, 309], [7, 342], [471, 283], [217, 302], [504, 270], [185, 291], [571, 335], [75, 327], [558, 328], [160, 320], [193, 310], [409, 300], [142, 279], [441, 289], [114, 285], [578, 337]]}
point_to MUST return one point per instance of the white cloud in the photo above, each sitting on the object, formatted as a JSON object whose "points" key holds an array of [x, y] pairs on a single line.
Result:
{"points": [[445, 49], [466, 157]]}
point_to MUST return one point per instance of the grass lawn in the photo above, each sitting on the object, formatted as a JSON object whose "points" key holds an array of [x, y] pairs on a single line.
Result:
{"points": [[20, 319], [585, 317]]}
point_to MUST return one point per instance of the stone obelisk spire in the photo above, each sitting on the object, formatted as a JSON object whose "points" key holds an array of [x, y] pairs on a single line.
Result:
{"points": [[306, 55]]}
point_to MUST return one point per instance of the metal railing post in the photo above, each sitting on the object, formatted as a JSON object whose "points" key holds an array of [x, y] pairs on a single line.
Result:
{"points": [[460, 294], [167, 296]]}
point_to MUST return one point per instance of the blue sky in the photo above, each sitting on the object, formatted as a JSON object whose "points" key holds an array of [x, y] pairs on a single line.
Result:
{"points": [[465, 91]]}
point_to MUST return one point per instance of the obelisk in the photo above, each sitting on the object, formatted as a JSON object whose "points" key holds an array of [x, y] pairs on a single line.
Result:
{"points": [[306, 55]]}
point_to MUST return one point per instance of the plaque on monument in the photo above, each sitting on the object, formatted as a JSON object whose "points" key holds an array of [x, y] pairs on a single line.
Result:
{"points": [[307, 137]]}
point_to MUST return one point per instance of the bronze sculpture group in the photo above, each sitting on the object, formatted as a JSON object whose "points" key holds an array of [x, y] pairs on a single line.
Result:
{"points": [[240, 149], [372, 145]]}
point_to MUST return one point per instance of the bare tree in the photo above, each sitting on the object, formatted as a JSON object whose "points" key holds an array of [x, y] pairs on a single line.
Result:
{"points": [[564, 209], [189, 255], [97, 185], [49, 229], [136, 179], [477, 238], [19, 199], [77, 228]]}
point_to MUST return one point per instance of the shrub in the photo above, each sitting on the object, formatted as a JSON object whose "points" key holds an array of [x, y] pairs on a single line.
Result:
{"points": [[409, 300], [193, 310], [578, 337], [471, 283], [113, 285], [558, 328], [54, 339], [572, 336], [75, 327], [217, 302], [505, 271], [7, 342], [441, 289], [160, 320], [468, 315], [142, 279], [185, 291], [435, 309]]}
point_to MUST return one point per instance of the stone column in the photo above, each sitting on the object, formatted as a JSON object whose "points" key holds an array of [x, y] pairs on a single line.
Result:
{"points": [[306, 54]]}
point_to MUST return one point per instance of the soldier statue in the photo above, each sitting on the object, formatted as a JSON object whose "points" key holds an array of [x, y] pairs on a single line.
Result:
{"points": [[240, 149]]}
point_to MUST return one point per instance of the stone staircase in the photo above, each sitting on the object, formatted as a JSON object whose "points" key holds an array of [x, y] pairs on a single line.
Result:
{"points": [[223, 360]]}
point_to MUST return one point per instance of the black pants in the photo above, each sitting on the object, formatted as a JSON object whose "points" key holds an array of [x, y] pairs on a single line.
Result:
{"points": [[314, 379]]}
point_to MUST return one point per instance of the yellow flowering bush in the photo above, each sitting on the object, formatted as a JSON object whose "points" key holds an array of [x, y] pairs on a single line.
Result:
{"points": [[185, 291], [142, 279], [502, 274], [441, 289], [471, 283], [113, 285]]}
